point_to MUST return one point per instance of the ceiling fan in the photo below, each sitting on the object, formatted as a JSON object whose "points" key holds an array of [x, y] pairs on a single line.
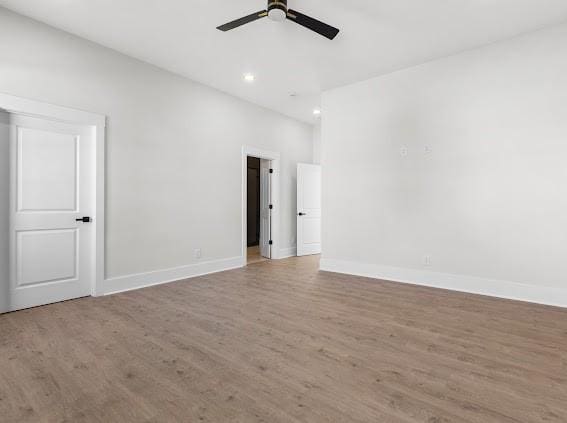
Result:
{"points": [[277, 11]]}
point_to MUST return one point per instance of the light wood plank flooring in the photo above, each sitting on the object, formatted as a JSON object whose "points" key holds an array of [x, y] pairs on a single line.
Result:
{"points": [[279, 341], [253, 255]]}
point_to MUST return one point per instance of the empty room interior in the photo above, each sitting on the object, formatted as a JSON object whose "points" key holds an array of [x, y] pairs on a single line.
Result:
{"points": [[283, 211]]}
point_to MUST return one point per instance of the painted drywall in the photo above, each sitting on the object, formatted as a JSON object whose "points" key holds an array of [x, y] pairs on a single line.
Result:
{"points": [[4, 208], [163, 132], [317, 143], [455, 167]]}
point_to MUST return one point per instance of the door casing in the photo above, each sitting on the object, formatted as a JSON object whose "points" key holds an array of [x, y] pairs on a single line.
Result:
{"points": [[274, 157]]}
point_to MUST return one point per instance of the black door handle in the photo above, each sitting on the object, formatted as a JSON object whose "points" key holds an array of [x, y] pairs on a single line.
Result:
{"points": [[85, 219], [301, 214]]}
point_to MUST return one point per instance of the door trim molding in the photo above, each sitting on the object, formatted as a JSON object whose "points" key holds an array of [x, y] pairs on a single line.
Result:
{"points": [[274, 156], [38, 109]]}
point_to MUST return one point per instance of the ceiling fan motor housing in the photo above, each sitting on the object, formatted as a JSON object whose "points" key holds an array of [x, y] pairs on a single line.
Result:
{"points": [[277, 10]]}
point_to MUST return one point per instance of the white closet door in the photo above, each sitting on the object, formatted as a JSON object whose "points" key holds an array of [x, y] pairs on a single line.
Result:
{"points": [[308, 209], [51, 190]]}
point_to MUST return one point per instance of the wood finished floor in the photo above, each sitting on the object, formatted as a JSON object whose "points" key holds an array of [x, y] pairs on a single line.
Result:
{"points": [[253, 255], [279, 341]]}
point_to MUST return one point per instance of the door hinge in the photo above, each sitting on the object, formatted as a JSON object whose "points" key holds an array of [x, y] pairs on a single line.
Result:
{"points": [[271, 170], [270, 242], [271, 206]]}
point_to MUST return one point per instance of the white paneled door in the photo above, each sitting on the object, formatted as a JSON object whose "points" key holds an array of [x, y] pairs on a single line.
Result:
{"points": [[52, 202], [308, 209]]}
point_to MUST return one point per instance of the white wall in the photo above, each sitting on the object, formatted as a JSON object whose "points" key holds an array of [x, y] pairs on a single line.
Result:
{"points": [[317, 143], [173, 146], [488, 203]]}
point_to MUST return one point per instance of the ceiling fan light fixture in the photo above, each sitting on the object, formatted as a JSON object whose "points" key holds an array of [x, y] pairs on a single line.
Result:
{"points": [[277, 10], [277, 15]]}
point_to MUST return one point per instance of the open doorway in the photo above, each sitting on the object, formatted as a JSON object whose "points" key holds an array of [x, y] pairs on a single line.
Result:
{"points": [[258, 210], [269, 204]]}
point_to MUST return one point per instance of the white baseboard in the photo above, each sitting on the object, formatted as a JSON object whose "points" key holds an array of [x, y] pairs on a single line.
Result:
{"points": [[287, 252], [471, 284], [158, 277]]}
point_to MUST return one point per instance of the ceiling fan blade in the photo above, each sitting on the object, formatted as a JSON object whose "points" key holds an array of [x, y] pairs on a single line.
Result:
{"points": [[242, 21], [313, 24]]}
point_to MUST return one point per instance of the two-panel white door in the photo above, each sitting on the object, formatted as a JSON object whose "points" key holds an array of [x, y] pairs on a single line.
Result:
{"points": [[308, 209], [51, 190]]}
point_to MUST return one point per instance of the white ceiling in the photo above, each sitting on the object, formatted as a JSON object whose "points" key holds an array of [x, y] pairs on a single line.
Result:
{"points": [[377, 36]]}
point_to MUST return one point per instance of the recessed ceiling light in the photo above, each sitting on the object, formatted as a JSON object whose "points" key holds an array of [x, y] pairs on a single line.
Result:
{"points": [[249, 77], [316, 112]]}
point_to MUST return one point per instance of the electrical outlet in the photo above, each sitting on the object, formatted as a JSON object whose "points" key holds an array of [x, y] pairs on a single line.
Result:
{"points": [[427, 260], [404, 151], [198, 253], [427, 149]]}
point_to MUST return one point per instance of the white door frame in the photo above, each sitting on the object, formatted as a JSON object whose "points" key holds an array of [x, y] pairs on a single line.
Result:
{"points": [[25, 107], [274, 157]]}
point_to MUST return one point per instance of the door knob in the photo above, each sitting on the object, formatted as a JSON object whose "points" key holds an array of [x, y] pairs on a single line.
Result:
{"points": [[301, 214], [85, 219]]}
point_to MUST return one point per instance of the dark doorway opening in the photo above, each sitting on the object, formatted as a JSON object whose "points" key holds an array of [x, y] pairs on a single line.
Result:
{"points": [[253, 202]]}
